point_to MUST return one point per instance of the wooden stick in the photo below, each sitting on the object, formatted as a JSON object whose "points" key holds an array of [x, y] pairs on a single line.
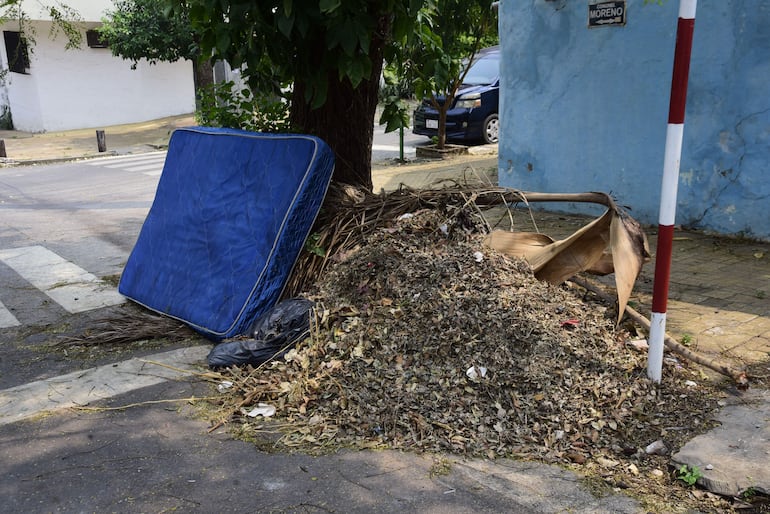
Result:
{"points": [[101, 141], [740, 377], [143, 404]]}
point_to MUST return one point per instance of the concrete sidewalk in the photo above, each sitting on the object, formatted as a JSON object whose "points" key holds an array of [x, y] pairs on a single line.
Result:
{"points": [[719, 304], [27, 148]]}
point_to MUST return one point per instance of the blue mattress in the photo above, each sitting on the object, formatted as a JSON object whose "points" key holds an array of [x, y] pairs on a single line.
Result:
{"points": [[231, 214]]}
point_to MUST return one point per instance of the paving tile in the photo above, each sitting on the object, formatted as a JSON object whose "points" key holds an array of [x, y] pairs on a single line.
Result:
{"points": [[726, 342], [721, 293], [733, 457]]}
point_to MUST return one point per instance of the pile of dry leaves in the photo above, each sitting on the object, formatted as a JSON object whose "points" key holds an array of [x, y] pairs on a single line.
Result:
{"points": [[427, 340]]}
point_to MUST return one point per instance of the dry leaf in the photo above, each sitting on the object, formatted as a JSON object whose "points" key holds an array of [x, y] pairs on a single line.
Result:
{"points": [[614, 242], [629, 250]]}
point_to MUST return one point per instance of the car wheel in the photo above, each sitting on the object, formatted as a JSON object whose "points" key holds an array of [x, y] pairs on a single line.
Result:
{"points": [[491, 129]]}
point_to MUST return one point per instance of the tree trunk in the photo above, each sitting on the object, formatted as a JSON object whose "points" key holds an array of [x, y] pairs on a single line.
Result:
{"points": [[346, 123], [442, 112], [203, 74], [346, 120]]}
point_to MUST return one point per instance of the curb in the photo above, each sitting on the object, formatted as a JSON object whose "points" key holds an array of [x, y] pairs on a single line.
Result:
{"points": [[7, 162]]}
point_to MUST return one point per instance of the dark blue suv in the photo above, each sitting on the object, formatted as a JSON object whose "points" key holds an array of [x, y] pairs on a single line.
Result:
{"points": [[473, 116]]}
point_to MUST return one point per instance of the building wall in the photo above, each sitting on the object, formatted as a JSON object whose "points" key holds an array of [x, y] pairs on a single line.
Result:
{"points": [[86, 10], [586, 109], [22, 99], [88, 87]]}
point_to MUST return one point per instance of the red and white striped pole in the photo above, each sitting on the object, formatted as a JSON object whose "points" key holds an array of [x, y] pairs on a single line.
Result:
{"points": [[668, 190]]}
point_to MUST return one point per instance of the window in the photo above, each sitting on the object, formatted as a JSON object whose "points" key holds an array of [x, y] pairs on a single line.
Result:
{"points": [[16, 51], [95, 39]]}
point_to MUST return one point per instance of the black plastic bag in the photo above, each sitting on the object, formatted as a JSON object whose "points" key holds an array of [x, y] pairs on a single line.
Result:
{"points": [[271, 335]]}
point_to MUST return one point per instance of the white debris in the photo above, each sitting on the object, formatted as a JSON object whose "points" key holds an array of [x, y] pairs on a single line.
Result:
{"points": [[639, 344], [656, 448], [224, 386], [475, 372], [262, 409]]}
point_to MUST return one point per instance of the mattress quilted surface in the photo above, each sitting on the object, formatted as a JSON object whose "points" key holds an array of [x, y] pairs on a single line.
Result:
{"points": [[231, 214]]}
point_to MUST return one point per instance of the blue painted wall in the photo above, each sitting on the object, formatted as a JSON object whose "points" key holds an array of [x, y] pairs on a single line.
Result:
{"points": [[586, 109]]}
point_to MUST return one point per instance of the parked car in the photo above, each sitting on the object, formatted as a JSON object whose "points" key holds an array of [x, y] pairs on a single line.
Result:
{"points": [[473, 115]]}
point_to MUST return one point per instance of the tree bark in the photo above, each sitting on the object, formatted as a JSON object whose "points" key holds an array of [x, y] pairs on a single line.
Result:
{"points": [[442, 112], [341, 124], [203, 74], [346, 120]]}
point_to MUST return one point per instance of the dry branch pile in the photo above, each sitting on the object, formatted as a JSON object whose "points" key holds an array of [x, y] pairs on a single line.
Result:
{"points": [[426, 339], [356, 214]]}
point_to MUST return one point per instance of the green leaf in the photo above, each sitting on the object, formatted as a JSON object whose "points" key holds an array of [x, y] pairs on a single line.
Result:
{"points": [[358, 69], [223, 40], [312, 246], [318, 93], [364, 37], [394, 115], [328, 6], [348, 39], [285, 24]]}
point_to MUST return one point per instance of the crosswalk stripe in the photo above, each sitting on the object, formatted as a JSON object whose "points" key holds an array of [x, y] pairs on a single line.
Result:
{"points": [[6, 318], [139, 162], [144, 156], [85, 386], [145, 167], [104, 161], [139, 157], [69, 285], [148, 164]]}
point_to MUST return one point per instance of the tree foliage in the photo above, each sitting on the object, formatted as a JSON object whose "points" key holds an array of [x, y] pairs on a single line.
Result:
{"points": [[64, 21], [142, 29], [226, 105], [448, 34], [304, 40], [329, 52]]}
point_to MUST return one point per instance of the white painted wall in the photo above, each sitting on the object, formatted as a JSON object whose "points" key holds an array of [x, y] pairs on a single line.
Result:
{"points": [[87, 10], [24, 101], [88, 87]]}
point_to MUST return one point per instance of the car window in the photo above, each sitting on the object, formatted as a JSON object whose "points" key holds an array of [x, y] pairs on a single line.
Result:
{"points": [[483, 72]]}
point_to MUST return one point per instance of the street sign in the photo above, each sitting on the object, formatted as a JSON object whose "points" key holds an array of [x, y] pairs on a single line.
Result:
{"points": [[606, 14]]}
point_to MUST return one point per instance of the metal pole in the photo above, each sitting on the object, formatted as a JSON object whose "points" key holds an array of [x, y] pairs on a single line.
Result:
{"points": [[670, 183]]}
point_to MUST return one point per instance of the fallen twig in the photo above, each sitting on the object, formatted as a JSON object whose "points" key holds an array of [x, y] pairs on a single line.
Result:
{"points": [[148, 402], [349, 215], [739, 376], [206, 375], [131, 326]]}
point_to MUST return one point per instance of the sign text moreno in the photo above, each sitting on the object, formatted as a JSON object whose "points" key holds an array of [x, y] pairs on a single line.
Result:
{"points": [[607, 13]]}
